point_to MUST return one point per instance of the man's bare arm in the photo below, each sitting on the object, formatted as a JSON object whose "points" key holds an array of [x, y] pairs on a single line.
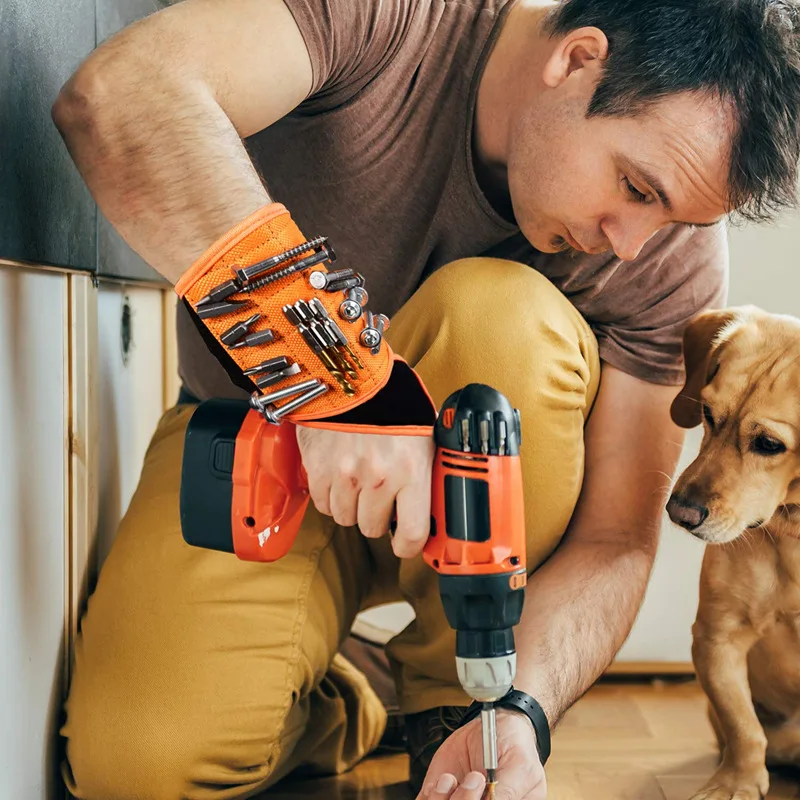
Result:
{"points": [[581, 605], [155, 116]]}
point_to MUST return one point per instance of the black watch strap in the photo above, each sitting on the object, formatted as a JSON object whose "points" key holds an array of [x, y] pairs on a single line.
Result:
{"points": [[520, 701]]}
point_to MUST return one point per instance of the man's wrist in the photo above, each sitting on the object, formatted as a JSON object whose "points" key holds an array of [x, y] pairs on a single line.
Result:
{"points": [[522, 703], [516, 714]]}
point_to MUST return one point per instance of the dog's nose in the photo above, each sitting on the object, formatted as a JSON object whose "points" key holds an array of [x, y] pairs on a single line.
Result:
{"points": [[682, 512]]}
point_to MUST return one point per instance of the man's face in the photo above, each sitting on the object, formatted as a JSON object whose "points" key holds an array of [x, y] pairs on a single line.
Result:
{"points": [[610, 183]]}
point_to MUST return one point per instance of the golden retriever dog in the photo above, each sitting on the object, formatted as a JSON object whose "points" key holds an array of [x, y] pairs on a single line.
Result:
{"points": [[741, 496]]}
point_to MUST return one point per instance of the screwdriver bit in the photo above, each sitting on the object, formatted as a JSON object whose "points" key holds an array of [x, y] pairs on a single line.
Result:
{"points": [[271, 365], [334, 330], [489, 731], [239, 329], [218, 309], [329, 343], [220, 293], [271, 378], [253, 339], [297, 314]]}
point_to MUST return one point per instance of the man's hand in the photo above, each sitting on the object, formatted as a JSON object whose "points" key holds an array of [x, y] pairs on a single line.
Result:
{"points": [[457, 772], [365, 479]]}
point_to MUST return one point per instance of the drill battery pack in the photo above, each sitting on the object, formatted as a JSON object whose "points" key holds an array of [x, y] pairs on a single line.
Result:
{"points": [[243, 487]]}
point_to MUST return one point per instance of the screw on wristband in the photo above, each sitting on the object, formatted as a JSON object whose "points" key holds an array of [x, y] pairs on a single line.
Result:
{"points": [[520, 701]]}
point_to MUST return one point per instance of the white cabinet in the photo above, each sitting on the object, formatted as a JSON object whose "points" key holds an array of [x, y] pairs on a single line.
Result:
{"points": [[34, 527], [78, 406], [133, 389]]}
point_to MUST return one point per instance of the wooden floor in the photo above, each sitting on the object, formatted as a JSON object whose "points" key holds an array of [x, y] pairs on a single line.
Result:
{"points": [[623, 741]]}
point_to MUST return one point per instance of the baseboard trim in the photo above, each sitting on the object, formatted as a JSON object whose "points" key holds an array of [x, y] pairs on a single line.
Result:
{"points": [[651, 668]]}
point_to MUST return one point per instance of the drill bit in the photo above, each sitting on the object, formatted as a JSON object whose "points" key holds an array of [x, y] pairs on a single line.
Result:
{"points": [[489, 728]]}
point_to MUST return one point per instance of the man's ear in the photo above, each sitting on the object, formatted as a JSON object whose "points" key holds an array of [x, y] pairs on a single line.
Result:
{"points": [[698, 345], [578, 49]]}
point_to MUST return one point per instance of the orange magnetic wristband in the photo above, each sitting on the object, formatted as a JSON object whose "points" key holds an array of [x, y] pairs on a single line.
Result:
{"points": [[296, 333]]}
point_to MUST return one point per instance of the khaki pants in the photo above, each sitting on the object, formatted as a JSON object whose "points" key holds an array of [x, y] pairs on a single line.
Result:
{"points": [[201, 676]]}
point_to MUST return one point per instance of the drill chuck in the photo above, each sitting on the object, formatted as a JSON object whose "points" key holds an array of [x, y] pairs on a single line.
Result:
{"points": [[487, 679]]}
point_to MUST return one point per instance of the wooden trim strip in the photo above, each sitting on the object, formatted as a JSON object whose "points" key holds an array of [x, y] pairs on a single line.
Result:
{"points": [[169, 361], [83, 452], [650, 668]]}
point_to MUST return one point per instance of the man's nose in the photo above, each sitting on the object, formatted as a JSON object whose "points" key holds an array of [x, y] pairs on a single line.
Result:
{"points": [[628, 238]]}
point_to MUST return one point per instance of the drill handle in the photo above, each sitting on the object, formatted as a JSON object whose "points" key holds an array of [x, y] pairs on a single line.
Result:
{"points": [[477, 503]]}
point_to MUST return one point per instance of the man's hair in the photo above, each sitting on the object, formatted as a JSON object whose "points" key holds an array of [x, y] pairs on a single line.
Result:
{"points": [[745, 52]]}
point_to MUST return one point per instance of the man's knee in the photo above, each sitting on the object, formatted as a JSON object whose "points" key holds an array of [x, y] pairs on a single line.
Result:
{"points": [[502, 320], [143, 753]]}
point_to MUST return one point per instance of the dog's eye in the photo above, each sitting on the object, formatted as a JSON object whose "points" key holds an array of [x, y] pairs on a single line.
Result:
{"points": [[709, 417], [767, 446]]}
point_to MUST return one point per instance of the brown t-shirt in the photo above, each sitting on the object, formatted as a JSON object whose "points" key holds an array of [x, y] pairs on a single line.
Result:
{"points": [[379, 159]]}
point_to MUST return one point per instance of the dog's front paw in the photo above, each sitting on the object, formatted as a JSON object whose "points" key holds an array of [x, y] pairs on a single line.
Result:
{"points": [[730, 785]]}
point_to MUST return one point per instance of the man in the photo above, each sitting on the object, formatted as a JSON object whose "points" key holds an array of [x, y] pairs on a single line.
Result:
{"points": [[445, 148]]}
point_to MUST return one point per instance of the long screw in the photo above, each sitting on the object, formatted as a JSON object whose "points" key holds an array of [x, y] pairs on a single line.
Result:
{"points": [[298, 266], [275, 416], [245, 274], [261, 401]]}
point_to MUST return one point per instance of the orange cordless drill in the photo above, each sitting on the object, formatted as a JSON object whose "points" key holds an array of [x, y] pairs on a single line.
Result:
{"points": [[244, 491]]}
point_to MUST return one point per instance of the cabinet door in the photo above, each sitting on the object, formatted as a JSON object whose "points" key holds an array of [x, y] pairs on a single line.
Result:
{"points": [[130, 394], [33, 499]]}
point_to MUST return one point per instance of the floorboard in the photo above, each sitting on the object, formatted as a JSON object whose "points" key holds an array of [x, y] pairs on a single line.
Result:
{"points": [[625, 740]]}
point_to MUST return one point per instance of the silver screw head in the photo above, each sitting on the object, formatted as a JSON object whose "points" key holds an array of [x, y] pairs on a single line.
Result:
{"points": [[318, 279], [350, 310], [370, 337]]}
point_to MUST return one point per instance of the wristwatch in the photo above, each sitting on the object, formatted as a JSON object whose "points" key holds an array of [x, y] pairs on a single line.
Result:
{"points": [[520, 701]]}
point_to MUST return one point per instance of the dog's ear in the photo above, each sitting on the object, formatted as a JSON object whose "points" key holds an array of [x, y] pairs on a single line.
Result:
{"points": [[698, 344]]}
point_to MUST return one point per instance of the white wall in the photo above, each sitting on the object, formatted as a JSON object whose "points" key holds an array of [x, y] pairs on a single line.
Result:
{"points": [[33, 508]]}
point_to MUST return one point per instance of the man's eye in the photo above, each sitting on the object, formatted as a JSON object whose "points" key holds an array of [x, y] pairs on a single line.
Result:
{"points": [[767, 446], [634, 192], [709, 417]]}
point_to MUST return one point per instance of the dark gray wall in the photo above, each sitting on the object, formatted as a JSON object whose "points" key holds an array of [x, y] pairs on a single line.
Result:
{"points": [[114, 257], [46, 212], [47, 215]]}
